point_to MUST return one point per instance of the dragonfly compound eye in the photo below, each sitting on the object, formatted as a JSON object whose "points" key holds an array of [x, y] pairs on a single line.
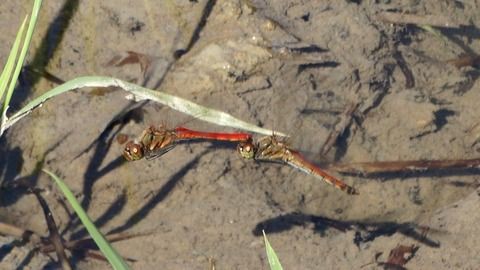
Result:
{"points": [[246, 150], [133, 151]]}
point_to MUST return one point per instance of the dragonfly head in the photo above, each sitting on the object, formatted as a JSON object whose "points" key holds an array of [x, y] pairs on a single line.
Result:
{"points": [[133, 151], [246, 149]]}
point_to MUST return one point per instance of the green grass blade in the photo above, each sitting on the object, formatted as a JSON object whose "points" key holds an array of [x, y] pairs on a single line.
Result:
{"points": [[6, 76], [437, 33], [141, 93], [273, 260], [26, 44], [112, 256]]}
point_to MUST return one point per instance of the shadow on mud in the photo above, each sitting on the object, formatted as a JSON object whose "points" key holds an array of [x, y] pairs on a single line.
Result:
{"points": [[12, 162], [165, 190], [12, 188], [364, 231], [48, 46], [157, 198]]}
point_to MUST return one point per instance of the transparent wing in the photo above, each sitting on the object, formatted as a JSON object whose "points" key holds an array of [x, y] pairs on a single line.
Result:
{"points": [[149, 155]]}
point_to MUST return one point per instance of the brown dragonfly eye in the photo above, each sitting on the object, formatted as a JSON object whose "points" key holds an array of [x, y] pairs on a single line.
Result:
{"points": [[133, 151], [246, 149]]}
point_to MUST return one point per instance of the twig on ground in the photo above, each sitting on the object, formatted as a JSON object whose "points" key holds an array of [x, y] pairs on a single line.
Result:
{"points": [[465, 61], [25, 235], [402, 64], [45, 245], [345, 121], [54, 235], [131, 57], [432, 20], [368, 168], [55, 242]]}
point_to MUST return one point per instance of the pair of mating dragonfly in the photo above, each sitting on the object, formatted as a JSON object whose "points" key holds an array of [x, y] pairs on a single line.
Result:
{"points": [[154, 142]]}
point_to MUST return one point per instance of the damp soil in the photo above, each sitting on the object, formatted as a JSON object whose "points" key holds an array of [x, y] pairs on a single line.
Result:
{"points": [[292, 66]]}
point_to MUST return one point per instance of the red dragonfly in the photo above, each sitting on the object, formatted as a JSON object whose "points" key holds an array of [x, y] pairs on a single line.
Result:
{"points": [[271, 148], [154, 142]]}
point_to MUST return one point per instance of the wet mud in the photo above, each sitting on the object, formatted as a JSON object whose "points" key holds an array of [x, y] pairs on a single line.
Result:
{"points": [[385, 87]]}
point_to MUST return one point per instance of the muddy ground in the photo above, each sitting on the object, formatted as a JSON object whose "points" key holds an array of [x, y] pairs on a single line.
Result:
{"points": [[294, 66]]}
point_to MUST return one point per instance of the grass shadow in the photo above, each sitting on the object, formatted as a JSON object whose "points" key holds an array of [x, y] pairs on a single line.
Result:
{"points": [[364, 231], [50, 43], [161, 195], [12, 163], [12, 188], [114, 209]]}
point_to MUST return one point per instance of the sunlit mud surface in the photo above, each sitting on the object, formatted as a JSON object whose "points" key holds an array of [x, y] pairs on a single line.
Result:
{"points": [[296, 67]]}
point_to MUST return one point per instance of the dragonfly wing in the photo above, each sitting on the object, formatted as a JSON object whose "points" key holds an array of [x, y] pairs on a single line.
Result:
{"points": [[301, 168], [302, 164], [273, 161], [149, 155]]}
